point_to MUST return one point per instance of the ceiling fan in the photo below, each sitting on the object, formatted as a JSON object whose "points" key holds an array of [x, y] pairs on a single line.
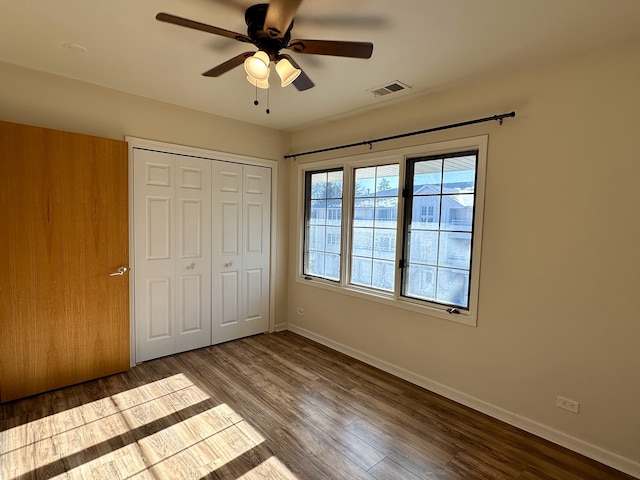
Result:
{"points": [[269, 29]]}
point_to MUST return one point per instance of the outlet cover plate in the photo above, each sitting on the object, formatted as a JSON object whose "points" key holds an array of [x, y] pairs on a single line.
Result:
{"points": [[568, 404]]}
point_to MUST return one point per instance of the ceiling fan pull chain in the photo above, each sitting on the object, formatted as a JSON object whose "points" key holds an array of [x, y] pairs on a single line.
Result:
{"points": [[256, 102], [268, 111]]}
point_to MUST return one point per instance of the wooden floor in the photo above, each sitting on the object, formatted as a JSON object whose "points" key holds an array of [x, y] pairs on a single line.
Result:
{"points": [[274, 406]]}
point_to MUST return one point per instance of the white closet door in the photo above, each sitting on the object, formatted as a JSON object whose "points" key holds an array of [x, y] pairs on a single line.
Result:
{"points": [[241, 245], [193, 255], [172, 208], [256, 256]]}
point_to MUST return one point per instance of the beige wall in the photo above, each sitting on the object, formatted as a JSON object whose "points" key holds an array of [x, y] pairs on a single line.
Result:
{"points": [[560, 273], [45, 100]]}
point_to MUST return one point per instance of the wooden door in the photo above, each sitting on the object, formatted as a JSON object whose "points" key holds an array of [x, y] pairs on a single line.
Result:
{"points": [[172, 208], [241, 250], [63, 207]]}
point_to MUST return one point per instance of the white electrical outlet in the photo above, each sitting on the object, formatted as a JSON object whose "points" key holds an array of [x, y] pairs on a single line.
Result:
{"points": [[300, 311], [568, 404]]}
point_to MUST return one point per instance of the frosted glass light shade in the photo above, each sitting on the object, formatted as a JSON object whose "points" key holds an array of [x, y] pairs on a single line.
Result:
{"points": [[257, 66], [259, 83], [288, 73]]}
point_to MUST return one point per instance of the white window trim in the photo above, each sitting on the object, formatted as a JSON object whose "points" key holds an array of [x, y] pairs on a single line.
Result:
{"points": [[399, 156]]}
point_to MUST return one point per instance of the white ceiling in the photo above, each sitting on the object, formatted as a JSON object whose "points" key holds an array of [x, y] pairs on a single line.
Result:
{"points": [[427, 44]]}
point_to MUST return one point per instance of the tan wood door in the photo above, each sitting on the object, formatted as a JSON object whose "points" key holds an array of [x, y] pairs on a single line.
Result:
{"points": [[63, 211]]}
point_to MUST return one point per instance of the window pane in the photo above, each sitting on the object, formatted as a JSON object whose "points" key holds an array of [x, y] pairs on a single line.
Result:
{"points": [[317, 237], [332, 266], [455, 250], [457, 212], [384, 244], [427, 177], [423, 247], [362, 242], [319, 185], [334, 212], [316, 264], [361, 271], [333, 239], [365, 182], [453, 287], [363, 211], [459, 175], [386, 212], [383, 275], [334, 184], [426, 212], [421, 282], [387, 180], [318, 212]]}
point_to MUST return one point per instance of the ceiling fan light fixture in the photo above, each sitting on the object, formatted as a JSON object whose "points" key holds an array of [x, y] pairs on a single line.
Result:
{"points": [[258, 82], [287, 72], [257, 66]]}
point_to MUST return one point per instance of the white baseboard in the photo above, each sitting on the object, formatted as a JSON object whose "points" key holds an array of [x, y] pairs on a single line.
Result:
{"points": [[280, 327], [575, 444]]}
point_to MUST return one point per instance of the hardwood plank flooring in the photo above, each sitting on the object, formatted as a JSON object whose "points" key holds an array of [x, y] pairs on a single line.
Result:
{"points": [[275, 406]]}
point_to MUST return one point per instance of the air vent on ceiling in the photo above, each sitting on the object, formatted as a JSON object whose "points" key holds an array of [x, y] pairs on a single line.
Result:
{"points": [[392, 87]]}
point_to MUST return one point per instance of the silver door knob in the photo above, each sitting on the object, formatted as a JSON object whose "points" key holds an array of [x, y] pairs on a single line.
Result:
{"points": [[120, 271]]}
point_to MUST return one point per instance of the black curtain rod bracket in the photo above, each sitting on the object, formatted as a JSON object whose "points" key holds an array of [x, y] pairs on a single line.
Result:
{"points": [[499, 118]]}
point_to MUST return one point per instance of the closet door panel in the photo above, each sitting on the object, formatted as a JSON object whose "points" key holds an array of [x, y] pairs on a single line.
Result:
{"points": [[154, 205], [158, 226], [172, 210], [227, 250], [228, 299], [257, 238], [159, 318], [253, 294], [240, 264], [193, 256]]}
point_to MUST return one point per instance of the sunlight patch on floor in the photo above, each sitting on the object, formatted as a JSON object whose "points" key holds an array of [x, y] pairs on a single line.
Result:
{"points": [[167, 428], [272, 468]]}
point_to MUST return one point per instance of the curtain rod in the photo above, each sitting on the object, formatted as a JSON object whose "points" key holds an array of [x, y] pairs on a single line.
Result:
{"points": [[499, 118]]}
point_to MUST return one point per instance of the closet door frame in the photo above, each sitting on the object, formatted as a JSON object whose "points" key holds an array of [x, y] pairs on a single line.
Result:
{"points": [[135, 142]]}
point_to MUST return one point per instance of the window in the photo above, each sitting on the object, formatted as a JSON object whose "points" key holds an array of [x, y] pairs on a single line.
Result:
{"points": [[437, 255], [323, 230], [409, 224], [375, 214]]}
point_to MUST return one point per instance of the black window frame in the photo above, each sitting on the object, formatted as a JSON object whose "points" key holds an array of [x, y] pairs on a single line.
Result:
{"points": [[408, 213], [307, 223]]}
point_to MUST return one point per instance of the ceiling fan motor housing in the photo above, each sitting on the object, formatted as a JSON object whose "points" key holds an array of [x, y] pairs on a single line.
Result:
{"points": [[254, 17]]}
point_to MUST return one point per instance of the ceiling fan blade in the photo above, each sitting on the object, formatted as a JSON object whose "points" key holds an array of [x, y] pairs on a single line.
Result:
{"points": [[184, 22], [303, 82], [279, 16], [228, 65], [359, 21], [332, 47]]}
